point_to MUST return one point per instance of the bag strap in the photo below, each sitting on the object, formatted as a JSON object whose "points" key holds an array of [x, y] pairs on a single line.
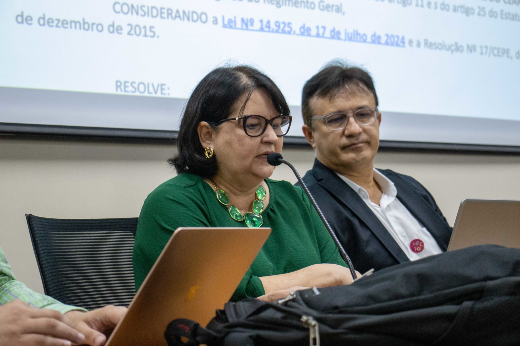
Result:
{"points": [[191, 331]]}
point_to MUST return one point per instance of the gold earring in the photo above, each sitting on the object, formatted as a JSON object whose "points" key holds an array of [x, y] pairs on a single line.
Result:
{"points": [[208, 152]]}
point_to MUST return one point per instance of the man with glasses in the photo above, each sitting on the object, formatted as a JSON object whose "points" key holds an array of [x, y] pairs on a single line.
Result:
{"points": [[381, 217]]}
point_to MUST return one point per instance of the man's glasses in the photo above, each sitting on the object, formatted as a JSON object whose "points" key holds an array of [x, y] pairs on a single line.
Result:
{"points": [[255, 125], [339, 120]]}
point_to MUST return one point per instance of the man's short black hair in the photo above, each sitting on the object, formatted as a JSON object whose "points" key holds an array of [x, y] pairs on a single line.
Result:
{"points": [[211, 101], [336, 77]]}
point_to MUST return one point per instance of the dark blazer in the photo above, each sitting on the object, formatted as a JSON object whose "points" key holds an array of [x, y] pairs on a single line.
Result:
{"points": [[365, 239]]}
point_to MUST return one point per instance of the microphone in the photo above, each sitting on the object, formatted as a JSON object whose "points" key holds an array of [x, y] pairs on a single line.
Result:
{"points": [[276, 159]]}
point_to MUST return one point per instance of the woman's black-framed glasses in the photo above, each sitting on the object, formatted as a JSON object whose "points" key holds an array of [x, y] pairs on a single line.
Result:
{"points": [[255, 125]]}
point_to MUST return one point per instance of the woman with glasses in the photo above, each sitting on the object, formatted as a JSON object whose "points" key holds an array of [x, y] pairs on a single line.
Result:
{"points": [[235, 117]]}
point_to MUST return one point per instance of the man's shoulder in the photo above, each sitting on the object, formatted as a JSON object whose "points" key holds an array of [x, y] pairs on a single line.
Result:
{"points": [[395, 175], [317, 173], [389, 172], [308, 178], [397, 178]]}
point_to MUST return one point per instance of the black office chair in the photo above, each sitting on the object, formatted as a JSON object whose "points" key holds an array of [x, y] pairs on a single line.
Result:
{"points": [[85, 262]]}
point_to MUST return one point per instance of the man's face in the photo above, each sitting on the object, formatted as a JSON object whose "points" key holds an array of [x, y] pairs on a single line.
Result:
{"points": [[348, 150]]}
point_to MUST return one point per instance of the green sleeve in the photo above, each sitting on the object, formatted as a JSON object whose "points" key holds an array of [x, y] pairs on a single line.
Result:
{"points": [[167, 208], [328, 250], [250, 287], [11, 289]]}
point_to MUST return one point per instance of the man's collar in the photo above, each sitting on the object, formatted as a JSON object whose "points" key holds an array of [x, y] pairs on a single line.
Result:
{"points": [[386, 185]]}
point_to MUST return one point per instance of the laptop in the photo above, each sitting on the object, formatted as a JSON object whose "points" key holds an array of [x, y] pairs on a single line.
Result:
{"points": [[196, 274], [486, 222]]}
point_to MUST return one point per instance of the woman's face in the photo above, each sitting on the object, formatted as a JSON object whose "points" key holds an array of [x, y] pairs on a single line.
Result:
{"points": [[242, 158]]}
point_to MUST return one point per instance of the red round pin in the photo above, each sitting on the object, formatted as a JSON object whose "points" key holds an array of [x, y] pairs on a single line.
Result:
{"points": [[417, 245]]}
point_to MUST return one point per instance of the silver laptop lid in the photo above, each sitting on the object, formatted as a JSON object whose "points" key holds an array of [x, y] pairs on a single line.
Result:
{"points": [[486, 222]]}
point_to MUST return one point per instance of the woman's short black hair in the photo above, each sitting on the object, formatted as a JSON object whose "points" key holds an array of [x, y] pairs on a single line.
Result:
{"points": [[336, 77], [213, 100]]}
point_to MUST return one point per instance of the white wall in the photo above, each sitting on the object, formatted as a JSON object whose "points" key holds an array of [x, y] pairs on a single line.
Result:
{"points": [[94, 180]]}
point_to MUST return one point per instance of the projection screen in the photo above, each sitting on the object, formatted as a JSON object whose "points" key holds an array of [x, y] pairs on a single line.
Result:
{"points": [[445, 71]]}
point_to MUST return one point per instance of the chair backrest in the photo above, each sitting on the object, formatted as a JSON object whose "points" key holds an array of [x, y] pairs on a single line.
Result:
{"points": [[85, 262]]}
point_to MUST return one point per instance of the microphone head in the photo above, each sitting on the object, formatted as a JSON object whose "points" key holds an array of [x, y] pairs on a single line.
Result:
{"points": [[274, 159]]}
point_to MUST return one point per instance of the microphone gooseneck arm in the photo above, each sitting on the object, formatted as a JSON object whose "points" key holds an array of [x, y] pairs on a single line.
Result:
{"points": [[275, 160]]}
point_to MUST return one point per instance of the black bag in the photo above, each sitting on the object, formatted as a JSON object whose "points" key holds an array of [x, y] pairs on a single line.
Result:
{"points": [[465, 297]]}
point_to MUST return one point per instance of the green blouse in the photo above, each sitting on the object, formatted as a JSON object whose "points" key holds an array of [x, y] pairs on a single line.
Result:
{"points": [[298, 237]]}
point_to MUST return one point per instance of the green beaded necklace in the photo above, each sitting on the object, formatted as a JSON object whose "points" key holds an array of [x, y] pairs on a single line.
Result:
{"points": [[252, 219]]}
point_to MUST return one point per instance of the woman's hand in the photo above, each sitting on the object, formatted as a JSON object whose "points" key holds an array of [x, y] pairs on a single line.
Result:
{"points": [[316, 275], [277, 295]]}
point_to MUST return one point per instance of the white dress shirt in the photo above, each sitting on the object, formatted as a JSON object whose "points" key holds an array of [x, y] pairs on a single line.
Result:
{"points": [[410, 235]]}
